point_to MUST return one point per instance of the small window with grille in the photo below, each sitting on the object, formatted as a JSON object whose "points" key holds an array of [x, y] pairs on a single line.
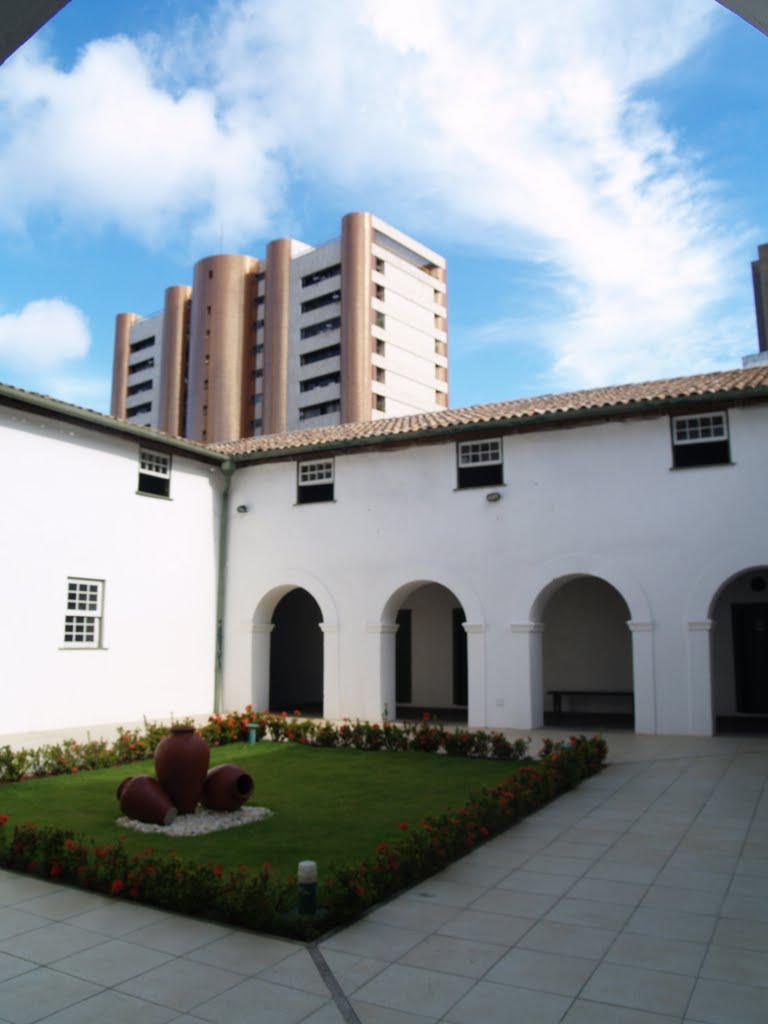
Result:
{"points": [[480, 463], [83, 620], [154, 473], [315, 481], [700, 440]]}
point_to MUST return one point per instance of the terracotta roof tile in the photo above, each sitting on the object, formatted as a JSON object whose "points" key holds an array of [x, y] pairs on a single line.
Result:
{"points": [[614, 400]]}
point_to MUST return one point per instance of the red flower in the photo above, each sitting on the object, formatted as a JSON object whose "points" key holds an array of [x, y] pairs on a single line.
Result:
{"points": [[404, 826], [3, 819], [117, 886], [218, 871], [55, 870]]}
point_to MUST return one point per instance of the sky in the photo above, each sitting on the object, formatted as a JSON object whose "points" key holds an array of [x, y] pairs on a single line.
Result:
{"points": [[593, 171]]}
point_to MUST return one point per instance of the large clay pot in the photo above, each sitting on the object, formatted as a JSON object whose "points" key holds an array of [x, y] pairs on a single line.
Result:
{"points": [[143, 798], [181, 764], [226, 788]]}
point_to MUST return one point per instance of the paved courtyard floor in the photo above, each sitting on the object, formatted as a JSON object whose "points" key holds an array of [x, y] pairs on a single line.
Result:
{"points": [[639, 898]]}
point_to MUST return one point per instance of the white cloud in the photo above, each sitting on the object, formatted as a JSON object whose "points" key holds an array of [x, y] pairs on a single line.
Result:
{"points": [[512, 126], [43, 335]]}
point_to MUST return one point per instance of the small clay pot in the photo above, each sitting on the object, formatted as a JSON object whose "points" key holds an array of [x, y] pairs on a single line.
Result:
{"points": [[226, 788], [181, 764], [143, 798]]}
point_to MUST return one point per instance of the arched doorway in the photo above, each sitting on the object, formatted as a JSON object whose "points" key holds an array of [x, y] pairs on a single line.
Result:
{"points": [[739, 653], [296, 655], [431, 654], [587, 655]]}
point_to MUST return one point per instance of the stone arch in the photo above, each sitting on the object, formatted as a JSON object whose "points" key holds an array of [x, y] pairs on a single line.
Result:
{"points": [[441, 604], [543, 582], [262, 627]]}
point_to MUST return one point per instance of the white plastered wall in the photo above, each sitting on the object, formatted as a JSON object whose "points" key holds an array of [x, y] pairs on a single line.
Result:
{"points": [[71, 510], [596, 500]]}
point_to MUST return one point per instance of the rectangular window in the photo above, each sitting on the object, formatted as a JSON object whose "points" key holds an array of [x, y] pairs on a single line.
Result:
{"points": [[82, 623], [310, 412], [322, 300], [480, 463], [700, 440], [154, 473], [145, 364], [314, 481], [321, 275], [319, 354], [323, 381], [137, 346], [138, 410], [322, 328]]}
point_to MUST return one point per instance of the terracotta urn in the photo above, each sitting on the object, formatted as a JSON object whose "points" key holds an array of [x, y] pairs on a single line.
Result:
{"points": [[181, 764], [226, 788], [143, 798]]}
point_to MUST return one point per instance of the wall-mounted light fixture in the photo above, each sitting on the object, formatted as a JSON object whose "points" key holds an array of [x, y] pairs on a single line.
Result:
{"points": [[493, 496], [242, 508]]}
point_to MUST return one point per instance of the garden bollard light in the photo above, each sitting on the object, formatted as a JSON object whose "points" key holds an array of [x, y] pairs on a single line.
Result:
{"points": [[307, 877], [253, 732]]}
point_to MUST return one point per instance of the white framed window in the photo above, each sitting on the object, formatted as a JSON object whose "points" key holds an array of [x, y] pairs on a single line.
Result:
{"points": [[700, 440], [480, 463], [85, 610], [154, 473], [315, 481]]}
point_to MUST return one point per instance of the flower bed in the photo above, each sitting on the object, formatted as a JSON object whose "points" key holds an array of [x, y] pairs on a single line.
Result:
{"points": [[258, 898]]}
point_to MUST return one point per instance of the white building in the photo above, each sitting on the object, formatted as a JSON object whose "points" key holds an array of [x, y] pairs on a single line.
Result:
{"points": [[470, 561]]}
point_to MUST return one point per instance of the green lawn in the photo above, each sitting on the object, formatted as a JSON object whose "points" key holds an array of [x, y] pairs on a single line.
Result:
{"points": [[331, 806]]}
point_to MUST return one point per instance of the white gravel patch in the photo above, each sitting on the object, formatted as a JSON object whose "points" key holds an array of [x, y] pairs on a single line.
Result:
{"points": [[200, 822]]}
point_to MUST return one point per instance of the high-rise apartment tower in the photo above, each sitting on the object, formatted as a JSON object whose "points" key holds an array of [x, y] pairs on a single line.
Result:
{"points": [[352, 330]]}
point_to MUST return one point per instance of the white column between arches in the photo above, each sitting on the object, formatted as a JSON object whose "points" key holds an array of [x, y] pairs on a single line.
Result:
{"points": [[260, 649], [331, 682], [477, 711], [700, 716], [643, 676]]}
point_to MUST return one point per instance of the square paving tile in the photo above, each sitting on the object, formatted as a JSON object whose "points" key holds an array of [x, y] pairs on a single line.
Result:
{"points": [[368, 938], [370, 1013], [740, 966], [15, 922], [672, 924], [113, 1008], [591, 913], [416, 914], [50, 943], [741, 934], [515, 902], [259, 1000], [502, 929], [244, 952], [38, 993], [501, 1004], [60, 904], [450, 894], [604, 891], [639, 989], [117, 919], [11, 966], [546, 972], [694, 901], [568, 939], [297, 971], [414, 990], [721, 1002], [178, 935], [466, 957], [181, 984], [657, 954], [352, 972], [109, 963], [537, 882]]}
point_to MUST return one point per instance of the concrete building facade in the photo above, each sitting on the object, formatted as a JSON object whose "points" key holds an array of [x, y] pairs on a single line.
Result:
{"points": [[350, 331]]}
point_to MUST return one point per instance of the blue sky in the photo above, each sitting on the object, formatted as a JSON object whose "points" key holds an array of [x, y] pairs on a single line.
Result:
{"points": [[594, 173]]}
